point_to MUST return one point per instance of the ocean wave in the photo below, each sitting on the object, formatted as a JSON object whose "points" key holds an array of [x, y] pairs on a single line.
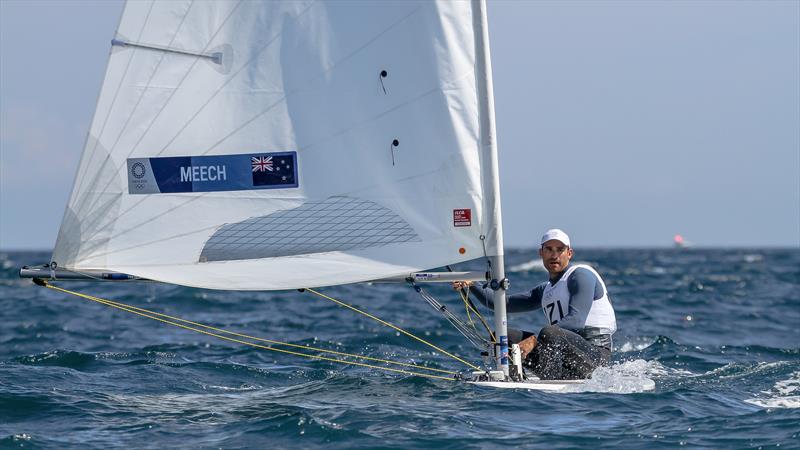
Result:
{"points": [[65, 358], [19, 440], [73, 373], [528, 266], [784, 394], [243, 388], [635, 345], [736, 371], [535, 265], [753, 258]]}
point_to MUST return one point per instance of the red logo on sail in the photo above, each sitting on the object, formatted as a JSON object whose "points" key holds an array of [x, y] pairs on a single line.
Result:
{"points": [[462, 217]]}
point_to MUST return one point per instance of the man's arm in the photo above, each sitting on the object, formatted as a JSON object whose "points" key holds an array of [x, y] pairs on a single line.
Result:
{"points": [[521, 302]]}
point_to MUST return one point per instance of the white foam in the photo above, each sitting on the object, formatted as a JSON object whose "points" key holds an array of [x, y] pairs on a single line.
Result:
{"points": [[623, 378], [242, 388], [532, 265], [780, 394], [753, 258], [788, 386], [635, 346], [793, 401]]}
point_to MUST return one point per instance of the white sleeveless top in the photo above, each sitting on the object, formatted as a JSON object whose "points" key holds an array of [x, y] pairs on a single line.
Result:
{"points": [[555, 304]]}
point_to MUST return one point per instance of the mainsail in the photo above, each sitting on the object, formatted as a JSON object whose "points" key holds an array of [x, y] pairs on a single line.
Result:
{"points": [[274, 145]]}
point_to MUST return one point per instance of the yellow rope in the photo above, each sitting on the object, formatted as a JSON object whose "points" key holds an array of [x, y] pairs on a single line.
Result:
{"points": [[393, 327], [477, 313], [153, 315], [469, 314], [305, 347], [466, 307]]}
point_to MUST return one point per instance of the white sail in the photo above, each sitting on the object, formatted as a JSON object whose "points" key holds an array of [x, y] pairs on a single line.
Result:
{"points": [[273, 145]]}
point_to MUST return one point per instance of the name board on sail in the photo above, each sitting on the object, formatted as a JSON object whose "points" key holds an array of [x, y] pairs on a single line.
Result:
{"points": [[276, 170]]}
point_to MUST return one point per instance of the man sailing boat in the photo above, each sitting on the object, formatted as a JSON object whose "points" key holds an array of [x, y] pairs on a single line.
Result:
{"points": [[576, 305]]}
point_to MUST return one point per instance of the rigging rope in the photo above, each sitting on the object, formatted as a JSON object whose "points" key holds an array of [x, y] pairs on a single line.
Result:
{"points": [[396, 328], [193, 326], [470, 334], [471, 307]]}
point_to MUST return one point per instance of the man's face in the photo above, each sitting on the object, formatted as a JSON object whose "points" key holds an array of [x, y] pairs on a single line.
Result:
{"points": [[555, 255]]}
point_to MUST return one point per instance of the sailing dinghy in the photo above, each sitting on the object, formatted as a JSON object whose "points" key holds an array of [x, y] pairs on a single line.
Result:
{"points": [[245, 145]]}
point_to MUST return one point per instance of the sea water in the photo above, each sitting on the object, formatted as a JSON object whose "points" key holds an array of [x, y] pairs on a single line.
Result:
{"points": [[717, 330]]}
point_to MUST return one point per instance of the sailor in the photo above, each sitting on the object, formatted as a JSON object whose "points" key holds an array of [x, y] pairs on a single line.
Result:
{"points": [[577, 308]]}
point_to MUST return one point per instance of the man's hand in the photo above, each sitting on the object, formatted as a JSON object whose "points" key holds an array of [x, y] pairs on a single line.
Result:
{"points": [[526, 346], [458, 285]]}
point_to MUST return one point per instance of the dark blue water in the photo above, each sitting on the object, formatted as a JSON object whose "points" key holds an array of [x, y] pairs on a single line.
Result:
{"points": [[717, 330]]}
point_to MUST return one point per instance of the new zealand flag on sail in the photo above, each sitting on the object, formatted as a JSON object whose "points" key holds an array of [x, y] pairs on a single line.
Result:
{"points": [[273, 169]]}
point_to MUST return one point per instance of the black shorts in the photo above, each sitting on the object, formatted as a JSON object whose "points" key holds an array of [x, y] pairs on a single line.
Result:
{"points": [[564, 355]]}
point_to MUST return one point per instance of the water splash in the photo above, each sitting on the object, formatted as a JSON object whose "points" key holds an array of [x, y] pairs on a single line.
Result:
{"points": [[636, 345], [627, 377]]}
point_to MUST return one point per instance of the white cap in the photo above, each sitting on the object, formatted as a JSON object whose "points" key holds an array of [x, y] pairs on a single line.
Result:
{"points": [[556, 234]]}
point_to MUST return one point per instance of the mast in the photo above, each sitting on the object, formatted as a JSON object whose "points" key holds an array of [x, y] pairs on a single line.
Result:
{"points": [[491, 182]]}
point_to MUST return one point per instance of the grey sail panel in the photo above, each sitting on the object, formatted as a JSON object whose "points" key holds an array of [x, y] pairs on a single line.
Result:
{"points": [[335, 224]]}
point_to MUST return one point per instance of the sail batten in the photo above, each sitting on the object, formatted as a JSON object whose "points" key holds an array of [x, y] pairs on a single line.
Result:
{"points": [[327, 143]]}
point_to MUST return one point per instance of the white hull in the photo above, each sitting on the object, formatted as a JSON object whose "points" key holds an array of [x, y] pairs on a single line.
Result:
{"points": [[549, 385]]}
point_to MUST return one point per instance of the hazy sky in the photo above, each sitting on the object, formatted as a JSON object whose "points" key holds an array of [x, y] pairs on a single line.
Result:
{"points": [[622, 122]]}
